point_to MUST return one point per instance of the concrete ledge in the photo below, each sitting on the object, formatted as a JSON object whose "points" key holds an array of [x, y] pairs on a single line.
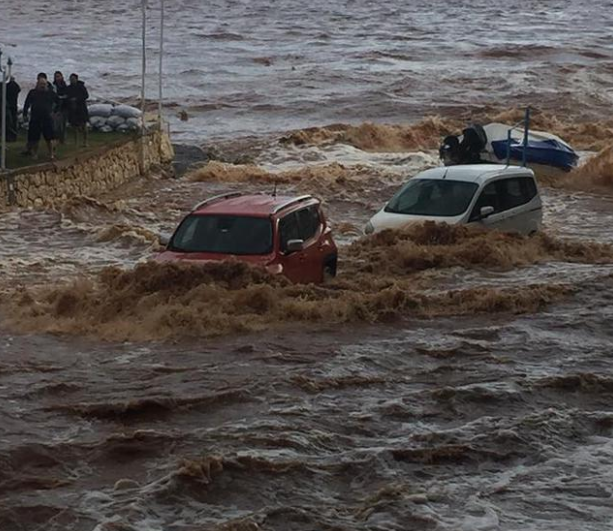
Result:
{"points": [[89, 173]]}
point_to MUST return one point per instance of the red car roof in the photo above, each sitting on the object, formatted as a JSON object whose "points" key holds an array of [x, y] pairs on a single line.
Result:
{"points": [[250, 204]]}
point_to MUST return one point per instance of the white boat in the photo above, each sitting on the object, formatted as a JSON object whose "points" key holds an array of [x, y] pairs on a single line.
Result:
{"points": [[546, 154]]}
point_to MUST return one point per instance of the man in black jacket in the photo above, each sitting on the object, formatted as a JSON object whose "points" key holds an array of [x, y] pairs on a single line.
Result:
{"points": [[42, 102], [42, 75], [60, 115], [12, 93], [78, 115]]}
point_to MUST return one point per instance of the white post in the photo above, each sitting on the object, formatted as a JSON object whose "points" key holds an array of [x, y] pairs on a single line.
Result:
{"points": [[3, 124], [3, 155], [161, 62], [142, 92]]}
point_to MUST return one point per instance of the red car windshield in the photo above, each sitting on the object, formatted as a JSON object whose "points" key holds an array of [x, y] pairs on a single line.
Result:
{"points": [[223, 234]]}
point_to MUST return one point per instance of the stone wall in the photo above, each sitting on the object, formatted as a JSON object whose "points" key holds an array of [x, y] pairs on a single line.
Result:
{"points": [[89, 174]]}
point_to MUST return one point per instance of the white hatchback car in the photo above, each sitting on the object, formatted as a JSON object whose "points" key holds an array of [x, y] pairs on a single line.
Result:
{"points": [[499, 197]]}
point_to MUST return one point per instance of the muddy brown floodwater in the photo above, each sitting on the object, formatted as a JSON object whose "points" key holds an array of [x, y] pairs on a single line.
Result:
{"points": [[447, 380]]}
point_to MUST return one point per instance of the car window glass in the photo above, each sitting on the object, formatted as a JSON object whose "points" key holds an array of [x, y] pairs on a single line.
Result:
{"points": [[528, 187], [511, 193], [289, 230], [489, 197], [223, 234], [517, 191], [432, 197], [190, 230], [505, 194], [308, 219]]}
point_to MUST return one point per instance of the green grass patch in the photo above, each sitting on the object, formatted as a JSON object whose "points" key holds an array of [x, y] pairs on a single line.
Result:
{"points": [[95, 139]]}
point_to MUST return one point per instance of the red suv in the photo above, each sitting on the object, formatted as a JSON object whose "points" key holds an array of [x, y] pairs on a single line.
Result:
{"points": [[287, 235]]}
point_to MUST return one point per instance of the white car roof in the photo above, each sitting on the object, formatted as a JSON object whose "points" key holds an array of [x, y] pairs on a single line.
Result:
{"points": [[474, 173]]}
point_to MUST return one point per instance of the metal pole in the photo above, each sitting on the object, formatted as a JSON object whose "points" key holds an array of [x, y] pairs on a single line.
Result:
{"points": [[3, 124], [526, 128], [508, 147], [142, 90], [3, 156], [161, 62]]}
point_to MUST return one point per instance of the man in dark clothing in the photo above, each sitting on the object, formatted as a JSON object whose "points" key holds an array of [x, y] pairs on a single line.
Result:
{"points": [[42, 101], [60, 115], [42, 75], [78, 115], [12, 93]]}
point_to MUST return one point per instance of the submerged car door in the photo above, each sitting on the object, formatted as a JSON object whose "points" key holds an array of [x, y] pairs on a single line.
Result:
{"points": [[517, 207], [516, 196], [294, 263], [310, 231], [488, 198]]}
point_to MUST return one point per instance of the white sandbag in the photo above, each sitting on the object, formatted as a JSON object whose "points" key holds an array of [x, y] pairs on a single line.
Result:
{"points": [[97, 122], [100, 109], [126, 111], [133, 123], [123, 128], [106, 129], [115, 121]]}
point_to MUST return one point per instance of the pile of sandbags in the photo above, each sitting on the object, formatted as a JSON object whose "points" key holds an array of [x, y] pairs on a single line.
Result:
{"points": [[106, 117]]}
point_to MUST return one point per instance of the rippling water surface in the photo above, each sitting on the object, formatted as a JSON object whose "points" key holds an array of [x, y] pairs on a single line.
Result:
{"points": [[499, 422], [240, 67], [496, 421]]}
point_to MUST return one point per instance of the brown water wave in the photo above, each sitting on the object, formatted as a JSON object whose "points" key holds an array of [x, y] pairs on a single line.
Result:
{"points": [[595, 174], [129, 233], [381, 278], [448, 379], [427, 133], [455, 423]]}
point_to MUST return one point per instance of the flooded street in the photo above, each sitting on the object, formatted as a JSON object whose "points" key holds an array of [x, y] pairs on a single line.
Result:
{"points": [[446, 380], [122, 227], [489, 423], [496, 421]]}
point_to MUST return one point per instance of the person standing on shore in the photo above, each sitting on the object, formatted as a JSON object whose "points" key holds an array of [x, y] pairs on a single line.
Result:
{"points": [[60, 116], [12, 94], [42, 75], [41, 101], [78, 115]]}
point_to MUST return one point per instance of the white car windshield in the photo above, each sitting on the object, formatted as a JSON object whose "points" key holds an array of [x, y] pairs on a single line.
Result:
{"points": [[223, 234], [432, 197]]}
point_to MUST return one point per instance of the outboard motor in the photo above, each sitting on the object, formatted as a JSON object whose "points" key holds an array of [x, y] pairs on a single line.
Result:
{"points": [[473, 143], [449, 151]]}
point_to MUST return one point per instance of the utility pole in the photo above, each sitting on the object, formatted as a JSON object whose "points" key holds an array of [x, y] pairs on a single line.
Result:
{"points": [[142, 90], [6, 75], [160, 95]]}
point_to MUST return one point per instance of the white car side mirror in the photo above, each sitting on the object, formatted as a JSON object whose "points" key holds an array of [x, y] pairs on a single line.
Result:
{"points": [[486, 212]]}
